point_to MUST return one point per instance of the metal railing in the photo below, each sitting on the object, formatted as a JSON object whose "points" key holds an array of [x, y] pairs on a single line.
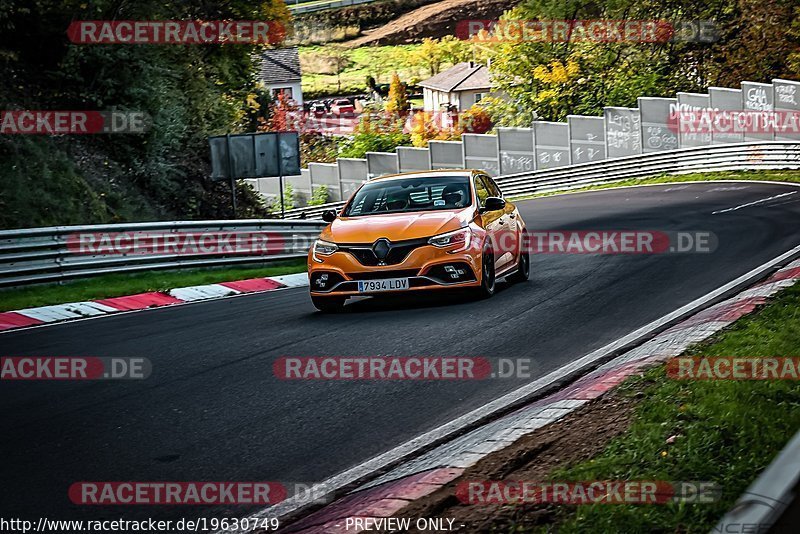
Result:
{"points": [[67, 252], [55, 253], [727, 157]]}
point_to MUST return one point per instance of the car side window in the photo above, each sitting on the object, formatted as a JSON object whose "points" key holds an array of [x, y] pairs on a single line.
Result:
{"points": [[494, 191], [481, 191]]}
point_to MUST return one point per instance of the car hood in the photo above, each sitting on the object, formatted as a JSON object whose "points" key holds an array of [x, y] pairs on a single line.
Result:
{"points": [[395, 226]]}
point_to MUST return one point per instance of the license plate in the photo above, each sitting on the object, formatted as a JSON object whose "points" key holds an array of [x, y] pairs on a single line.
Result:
{"points": [[388, 284]]}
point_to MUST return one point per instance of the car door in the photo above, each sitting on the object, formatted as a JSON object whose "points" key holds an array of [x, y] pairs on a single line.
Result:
{"points": [[492, 220], [508, 231], [506, 243]]}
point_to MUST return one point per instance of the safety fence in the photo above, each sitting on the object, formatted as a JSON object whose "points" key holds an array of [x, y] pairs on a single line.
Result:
{"points": [[67, 252]]}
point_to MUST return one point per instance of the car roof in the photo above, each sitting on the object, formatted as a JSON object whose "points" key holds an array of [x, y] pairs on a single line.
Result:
{"points": [[466, 173]]}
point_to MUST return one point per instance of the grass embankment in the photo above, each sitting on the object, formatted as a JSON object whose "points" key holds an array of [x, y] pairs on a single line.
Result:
{"points": [[722, 431], [780, 176], [320, 64], [116, 285]]}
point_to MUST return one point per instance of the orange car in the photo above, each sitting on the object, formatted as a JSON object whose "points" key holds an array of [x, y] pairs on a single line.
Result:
{"points": [[418, 232]]}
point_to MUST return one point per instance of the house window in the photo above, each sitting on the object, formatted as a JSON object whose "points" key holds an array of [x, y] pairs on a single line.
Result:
{"points": [[282, 91], [479, 97]]}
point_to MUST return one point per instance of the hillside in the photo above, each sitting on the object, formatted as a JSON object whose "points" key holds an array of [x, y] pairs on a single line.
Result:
{"points": [[433, 20]]}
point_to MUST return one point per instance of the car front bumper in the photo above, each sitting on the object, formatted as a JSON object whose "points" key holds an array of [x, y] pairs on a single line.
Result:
{"points": [[427, 268]]}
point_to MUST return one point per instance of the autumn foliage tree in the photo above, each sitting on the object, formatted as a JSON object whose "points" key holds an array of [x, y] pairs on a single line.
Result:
{"points": [[397, 102]]}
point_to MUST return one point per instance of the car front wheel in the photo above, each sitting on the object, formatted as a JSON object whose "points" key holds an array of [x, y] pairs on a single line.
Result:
{"points": [[486, 288], [523, 271]]}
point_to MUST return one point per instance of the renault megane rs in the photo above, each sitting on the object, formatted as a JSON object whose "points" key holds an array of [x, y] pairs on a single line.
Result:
{"points": [[418, 232]]}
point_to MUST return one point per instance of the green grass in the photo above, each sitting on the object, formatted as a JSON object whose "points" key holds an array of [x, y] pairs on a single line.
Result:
{"points": [[115, 285], [728, 431], [781, 176], [376, 61]]}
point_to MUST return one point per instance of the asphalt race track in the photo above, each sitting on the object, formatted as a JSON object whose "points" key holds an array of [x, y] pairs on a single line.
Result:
{"points": [[212, 409]]}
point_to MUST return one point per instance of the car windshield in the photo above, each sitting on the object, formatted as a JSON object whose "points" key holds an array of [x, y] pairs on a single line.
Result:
{"points": [[411, 194]]}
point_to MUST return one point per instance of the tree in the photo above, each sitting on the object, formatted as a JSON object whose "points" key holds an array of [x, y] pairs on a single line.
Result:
{"points": [[398, 98], [428, 55], [281, 118], [474, 120], [340, 61]]}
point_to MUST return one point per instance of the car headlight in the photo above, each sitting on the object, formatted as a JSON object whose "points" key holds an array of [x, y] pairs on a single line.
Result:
{"points": [[457, 238], [324, 248]]}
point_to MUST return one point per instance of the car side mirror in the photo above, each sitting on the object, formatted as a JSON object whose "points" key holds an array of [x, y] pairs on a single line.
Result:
{"points": [[328, 215], [493, 204]]}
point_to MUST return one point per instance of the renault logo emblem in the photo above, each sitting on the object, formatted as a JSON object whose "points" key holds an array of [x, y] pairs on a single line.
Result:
{"points": [[381, 248]]}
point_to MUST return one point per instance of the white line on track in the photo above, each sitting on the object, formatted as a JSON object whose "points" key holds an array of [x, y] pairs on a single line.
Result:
{"points": [[753, 203]]}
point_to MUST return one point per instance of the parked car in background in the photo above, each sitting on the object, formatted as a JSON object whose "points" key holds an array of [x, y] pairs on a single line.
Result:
{"points": [[342, 106], [318, 109]]}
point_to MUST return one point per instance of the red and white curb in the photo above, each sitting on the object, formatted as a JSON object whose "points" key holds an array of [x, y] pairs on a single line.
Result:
{"points": [[393, 491], [82, 310]]}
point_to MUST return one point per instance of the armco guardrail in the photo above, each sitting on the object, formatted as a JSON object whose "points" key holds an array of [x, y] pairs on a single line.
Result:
{"points": [[733, 157], [66, 252]]}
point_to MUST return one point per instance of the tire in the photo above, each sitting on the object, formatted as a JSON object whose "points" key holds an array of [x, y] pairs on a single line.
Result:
{"points": [[488, 278], [523, 271], [328, 304]]}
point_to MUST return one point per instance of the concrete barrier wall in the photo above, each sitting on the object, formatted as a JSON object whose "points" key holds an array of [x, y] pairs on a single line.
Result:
{"points": [[657, 133], [587, 138], [516, 152], [697, 109], [623, 131], [411, 159], [551, 144], [382, 163], [326, 174], [481, 152], [725, 102], [301, 186], [786, 96], [759, 99], [352, 173], [657, 124], [446, 154]]}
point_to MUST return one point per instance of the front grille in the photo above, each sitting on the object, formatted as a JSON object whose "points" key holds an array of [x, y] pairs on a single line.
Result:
{"points": [[397, 253]]}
